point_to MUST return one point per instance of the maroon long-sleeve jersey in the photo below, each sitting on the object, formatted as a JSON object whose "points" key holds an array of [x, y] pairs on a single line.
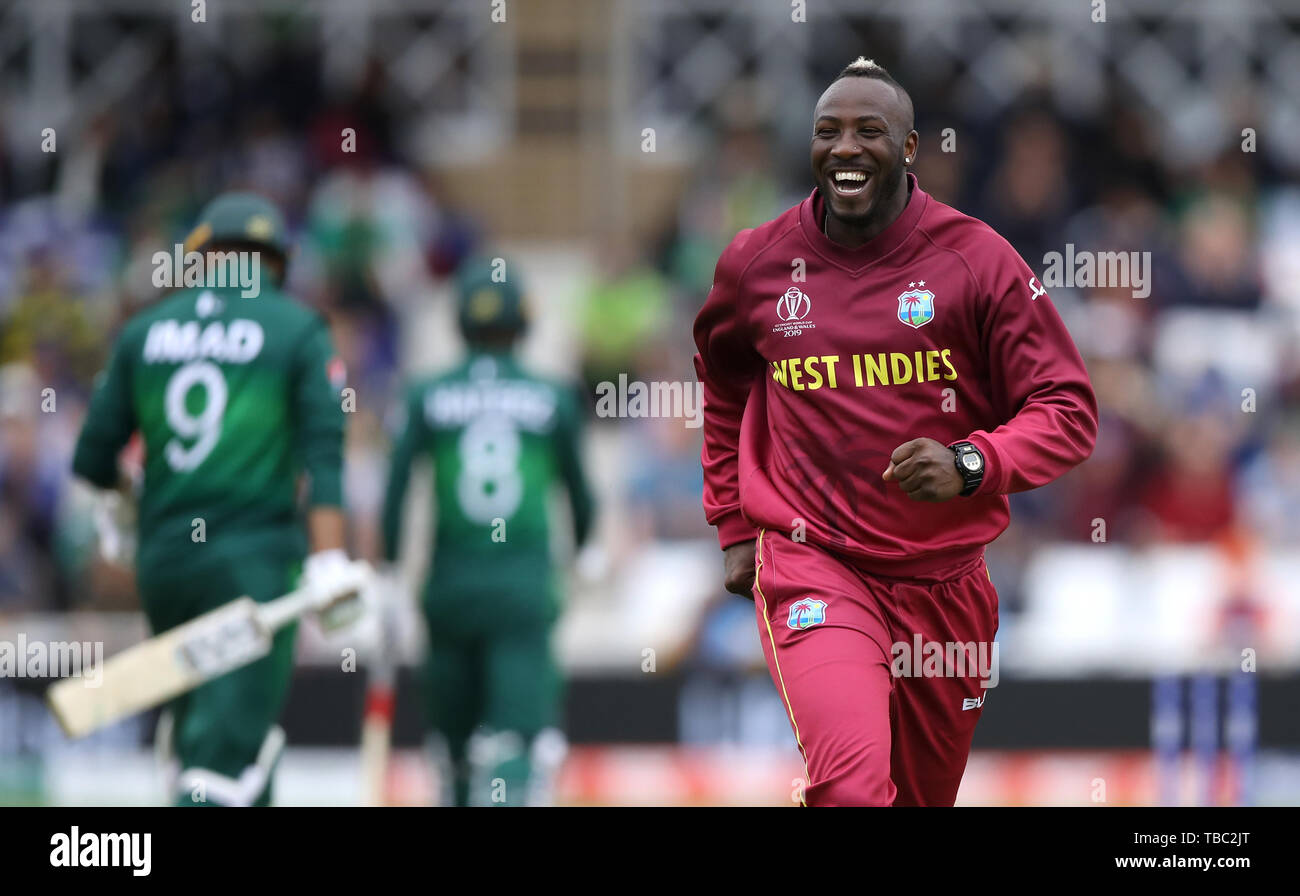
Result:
{"points": [[818, 361]]}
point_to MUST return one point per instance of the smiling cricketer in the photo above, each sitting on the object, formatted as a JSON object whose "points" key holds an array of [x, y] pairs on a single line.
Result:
{"points": [[880, 371]]}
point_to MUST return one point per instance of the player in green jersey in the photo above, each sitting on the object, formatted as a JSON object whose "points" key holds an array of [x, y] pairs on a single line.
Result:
{"points": [[500, 439], [235, 393]]}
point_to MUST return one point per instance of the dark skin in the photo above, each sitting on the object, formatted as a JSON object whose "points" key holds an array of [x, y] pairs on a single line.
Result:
{"points": [[864, 124], [738, 568], [926, 470]]}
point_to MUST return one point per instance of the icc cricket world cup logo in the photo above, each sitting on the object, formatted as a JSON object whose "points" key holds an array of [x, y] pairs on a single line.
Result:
{"points": [[793, 305]]}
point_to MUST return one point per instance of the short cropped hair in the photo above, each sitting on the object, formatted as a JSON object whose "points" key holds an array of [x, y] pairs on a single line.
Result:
{"points": [[862, 67]]}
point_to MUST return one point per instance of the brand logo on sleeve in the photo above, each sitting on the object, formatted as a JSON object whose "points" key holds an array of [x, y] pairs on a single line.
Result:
{"points": [[806, 613], [792, 307], [916, 306]]}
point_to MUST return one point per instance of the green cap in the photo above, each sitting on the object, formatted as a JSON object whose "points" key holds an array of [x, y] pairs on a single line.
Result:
{"points": [[239, 217], [489, 297]]}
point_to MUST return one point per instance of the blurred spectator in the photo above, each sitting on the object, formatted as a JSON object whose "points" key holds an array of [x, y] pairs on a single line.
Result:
{"points": [[666, 479], [32, 476], [1218, 250], [1029, 197], [737, 187], [48, 327], [1270, 486], [1190, 494], [625, 310]]}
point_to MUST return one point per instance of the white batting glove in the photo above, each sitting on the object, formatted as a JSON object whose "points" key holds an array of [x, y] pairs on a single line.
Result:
{"points": [[340, 587]]}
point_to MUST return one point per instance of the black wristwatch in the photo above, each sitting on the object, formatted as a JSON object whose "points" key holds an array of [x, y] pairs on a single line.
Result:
{"points": [[970, 464]]}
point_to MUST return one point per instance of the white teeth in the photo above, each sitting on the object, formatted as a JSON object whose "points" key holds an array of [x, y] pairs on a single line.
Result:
{"points": [[841, 176]]}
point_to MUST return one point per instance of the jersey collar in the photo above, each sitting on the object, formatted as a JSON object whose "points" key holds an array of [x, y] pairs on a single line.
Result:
{"points": [[856, 260]]}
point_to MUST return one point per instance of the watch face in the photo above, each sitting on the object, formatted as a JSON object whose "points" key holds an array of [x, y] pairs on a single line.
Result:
{"points": [[972, 461]]}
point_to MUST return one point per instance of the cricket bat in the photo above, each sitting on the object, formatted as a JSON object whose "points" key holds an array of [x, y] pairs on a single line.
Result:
{"points": [[377, 717], [376, 733], [177, 661]]}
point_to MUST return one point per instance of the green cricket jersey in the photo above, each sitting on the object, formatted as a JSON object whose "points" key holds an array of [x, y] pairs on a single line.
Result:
{"points": [[233, 397], [499, 438]]}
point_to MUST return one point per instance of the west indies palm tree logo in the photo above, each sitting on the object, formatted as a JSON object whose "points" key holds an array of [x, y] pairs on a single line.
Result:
{"points": [[916, 306], [806, 613]]}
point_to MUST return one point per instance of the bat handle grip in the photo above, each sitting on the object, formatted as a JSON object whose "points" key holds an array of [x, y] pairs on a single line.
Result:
{"points": [[283, 610]]}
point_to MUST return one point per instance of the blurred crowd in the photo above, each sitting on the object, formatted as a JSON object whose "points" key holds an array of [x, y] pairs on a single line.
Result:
{"points": [[1199, 382]]}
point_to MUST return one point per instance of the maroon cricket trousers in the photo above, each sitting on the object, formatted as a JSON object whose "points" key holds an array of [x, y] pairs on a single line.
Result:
{"points": [[879, 722]]}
